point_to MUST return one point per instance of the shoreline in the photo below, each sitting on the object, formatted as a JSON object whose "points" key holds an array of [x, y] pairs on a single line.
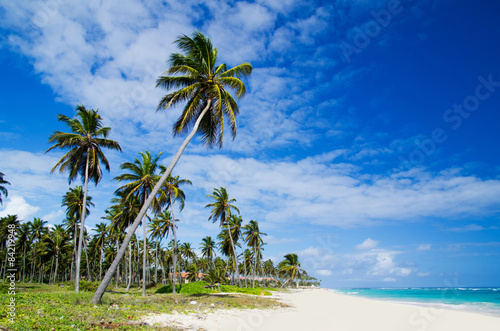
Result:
{"points": [[322, 309]]}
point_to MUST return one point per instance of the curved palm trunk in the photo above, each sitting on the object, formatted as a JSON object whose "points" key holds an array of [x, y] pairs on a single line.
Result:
{"points": [[82, 223], [109, 274], [144, 250]]}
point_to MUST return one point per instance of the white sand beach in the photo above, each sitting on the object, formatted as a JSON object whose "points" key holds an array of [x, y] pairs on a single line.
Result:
{"points": [[322, 310]]}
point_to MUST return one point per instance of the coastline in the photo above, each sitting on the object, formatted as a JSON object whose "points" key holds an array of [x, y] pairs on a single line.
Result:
{"points": [[322, 309]]}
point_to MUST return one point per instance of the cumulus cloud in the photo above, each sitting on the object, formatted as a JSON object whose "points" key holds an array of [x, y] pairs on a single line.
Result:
{"points": [[16, 205], [367, 244]]}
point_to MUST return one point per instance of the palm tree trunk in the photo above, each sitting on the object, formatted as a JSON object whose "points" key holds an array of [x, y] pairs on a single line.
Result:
{"points": [[89, 275], [255, 266], [112, 269], [144, 251], [55, 271], [82, 224], [129, 266], [235, 263], [100, 266], [24, 260], [73, 256], [156, 262], [175, 242]]}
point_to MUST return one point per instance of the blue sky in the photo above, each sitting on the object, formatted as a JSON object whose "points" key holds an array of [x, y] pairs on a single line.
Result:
{"points": [[367, 142]]}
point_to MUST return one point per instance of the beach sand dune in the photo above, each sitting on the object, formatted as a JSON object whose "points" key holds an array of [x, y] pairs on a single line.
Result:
{"points": [[322, 310]]}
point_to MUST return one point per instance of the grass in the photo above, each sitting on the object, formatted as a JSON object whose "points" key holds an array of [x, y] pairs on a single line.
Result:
{"points": [[51, 307]]}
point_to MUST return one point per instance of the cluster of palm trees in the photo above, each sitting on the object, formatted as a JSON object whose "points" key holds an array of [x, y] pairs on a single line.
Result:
{"points": [[149, 190], [47, 254]]}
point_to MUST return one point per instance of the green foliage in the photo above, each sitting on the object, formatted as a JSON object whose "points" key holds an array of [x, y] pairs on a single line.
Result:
{"points": [[199, 288], [84, 285], [49, 307]]}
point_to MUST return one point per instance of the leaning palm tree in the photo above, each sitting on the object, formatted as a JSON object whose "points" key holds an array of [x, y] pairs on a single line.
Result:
{"points": [[290, 267], [253, 238], [221, 210], [203, 86], [3, 190], [84, 157]]}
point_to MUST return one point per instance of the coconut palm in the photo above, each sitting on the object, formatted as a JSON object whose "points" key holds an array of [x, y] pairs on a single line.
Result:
{"points": [[3, 190], [170, 193], [208, 248], [253, 239], [101, 238], [204, 88], [73, 201], [141, 178], [290, 267], [57, 242], [84, 157], [158, 229], [221, 210]]}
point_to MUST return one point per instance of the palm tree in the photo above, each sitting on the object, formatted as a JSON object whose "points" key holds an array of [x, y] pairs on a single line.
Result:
{"points": [[3, 190], [159, 228], [208, 248], [84, 157], [141, 179], [203, 85], [221, 210], [253, 239], [23, 234], [73, 201], [38, 230], [57, 241], [171, 192], [101, 238], [290, 267]]}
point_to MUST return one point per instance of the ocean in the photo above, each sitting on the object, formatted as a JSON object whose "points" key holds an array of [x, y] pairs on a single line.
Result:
{"points": [[478, 299]]}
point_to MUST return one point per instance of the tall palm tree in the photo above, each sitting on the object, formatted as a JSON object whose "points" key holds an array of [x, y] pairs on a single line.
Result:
{"points": [[57, 241], [38, 230], [253, 239], [290, 267], [3, 190], [23, 234], [159, 228], [203, 86], [141, 178], [172, 192], [84, 157], [208, 248], [221, 210], [73, 201], [101, 238]]}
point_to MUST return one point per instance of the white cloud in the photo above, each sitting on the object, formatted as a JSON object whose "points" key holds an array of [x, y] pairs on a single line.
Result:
{"points": [[324, 272], [423, 274], [367, 244], [16, 205], [424, 247]]}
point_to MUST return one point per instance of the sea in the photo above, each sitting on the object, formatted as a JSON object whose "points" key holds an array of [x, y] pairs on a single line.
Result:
{"points": [[484, 300]]}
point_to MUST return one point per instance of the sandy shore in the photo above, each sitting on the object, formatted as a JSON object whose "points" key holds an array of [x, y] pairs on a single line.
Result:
{"points": [[322, 310]]}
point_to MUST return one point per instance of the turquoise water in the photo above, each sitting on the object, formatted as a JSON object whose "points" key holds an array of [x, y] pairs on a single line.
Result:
{"points": [[479, 299]]}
